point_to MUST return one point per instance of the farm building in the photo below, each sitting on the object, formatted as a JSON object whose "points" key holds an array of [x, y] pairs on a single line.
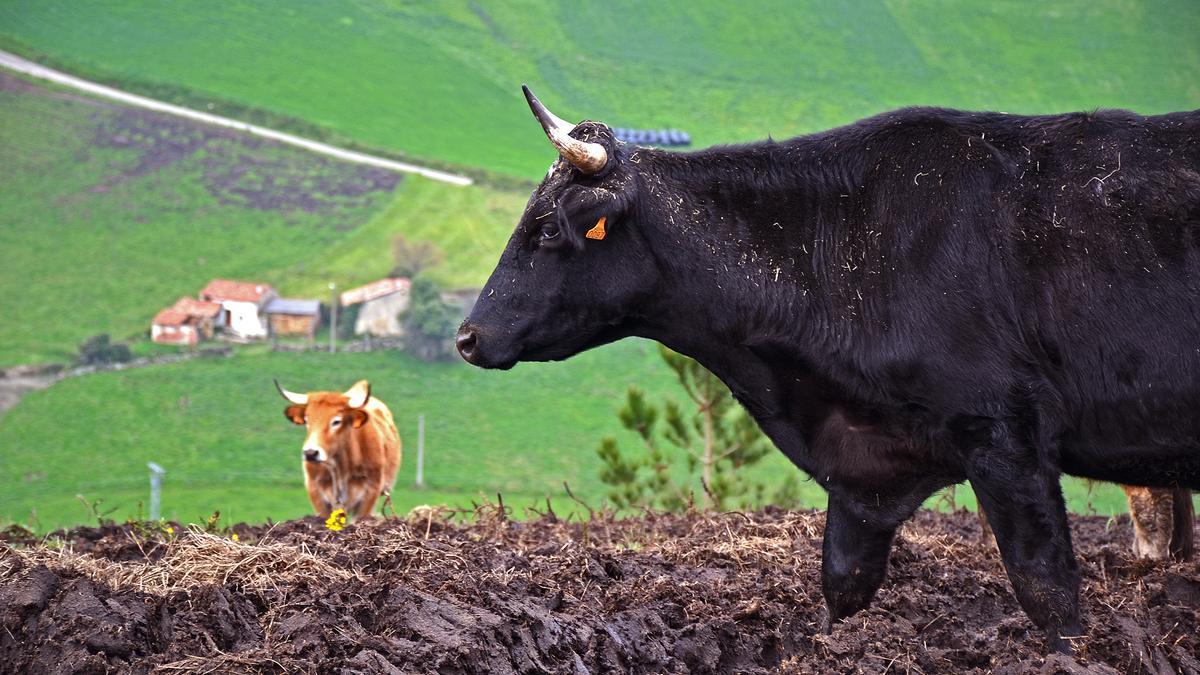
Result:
{"points": [[242, 306], [289, 316], [187, 322], [381, 302]]}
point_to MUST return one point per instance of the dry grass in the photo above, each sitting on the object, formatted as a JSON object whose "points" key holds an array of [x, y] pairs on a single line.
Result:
{"points": [[252, 661], [196, 558]]}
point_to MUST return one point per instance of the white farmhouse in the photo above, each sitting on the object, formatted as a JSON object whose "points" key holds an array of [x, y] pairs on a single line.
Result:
{"points": [[382, 301], [187, 322], [242, 304]]}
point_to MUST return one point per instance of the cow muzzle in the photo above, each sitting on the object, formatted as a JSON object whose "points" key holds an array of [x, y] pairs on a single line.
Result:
{"points": [[466, 342], [485, 350], [314, 455]]}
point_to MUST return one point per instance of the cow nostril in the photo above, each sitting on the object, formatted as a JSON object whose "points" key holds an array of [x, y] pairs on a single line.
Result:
{"points": [[311, 455], [466, 342]]}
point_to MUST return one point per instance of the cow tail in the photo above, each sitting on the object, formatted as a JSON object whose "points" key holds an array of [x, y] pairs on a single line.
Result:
{"points": [[1183, 538]]}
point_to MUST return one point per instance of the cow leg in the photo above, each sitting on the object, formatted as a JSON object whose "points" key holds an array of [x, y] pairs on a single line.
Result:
{"points": [[1183, 544], [1025, 507], [986, 538], [320, 506], [366, 507], [1152, 513]]}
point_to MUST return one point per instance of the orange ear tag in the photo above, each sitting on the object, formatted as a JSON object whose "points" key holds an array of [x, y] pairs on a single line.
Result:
{"points": [[596, 232]]}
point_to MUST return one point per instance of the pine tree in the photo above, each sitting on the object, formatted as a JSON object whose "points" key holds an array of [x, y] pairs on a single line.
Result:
{"points": [[712, 436]]}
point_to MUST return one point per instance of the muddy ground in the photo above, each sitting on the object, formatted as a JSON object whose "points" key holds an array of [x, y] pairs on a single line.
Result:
{"points": [[690, 593]]}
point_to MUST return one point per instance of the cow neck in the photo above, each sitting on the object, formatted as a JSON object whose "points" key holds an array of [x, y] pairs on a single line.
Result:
{"points": [[767, 279], [753, 244]]}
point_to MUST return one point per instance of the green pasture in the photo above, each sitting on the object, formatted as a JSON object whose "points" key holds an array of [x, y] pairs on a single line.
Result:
{"points": [[440, 80], [469, 226], [217, 427]]}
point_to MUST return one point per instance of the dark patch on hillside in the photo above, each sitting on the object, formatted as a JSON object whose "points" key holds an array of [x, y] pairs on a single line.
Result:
{"points": [[235, 169], [723, 593]]}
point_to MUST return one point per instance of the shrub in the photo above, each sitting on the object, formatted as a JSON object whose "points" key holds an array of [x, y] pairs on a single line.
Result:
{"points": [[98, 350]]}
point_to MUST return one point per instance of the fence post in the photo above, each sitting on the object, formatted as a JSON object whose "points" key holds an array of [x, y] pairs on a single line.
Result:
{"points": [[420, 451], [156, 475], [333, 305]]}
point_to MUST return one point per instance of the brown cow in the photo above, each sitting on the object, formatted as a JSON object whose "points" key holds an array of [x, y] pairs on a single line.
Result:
{"points": [[352, 450]]}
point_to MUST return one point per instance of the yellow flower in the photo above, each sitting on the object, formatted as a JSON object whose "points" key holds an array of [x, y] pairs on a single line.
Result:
{"points": [[170, 531], [336, 520], [235, 537]]}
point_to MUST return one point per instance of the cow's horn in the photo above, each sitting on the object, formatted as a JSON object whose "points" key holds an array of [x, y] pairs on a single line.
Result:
{"points": [[359, 394], [587, 157], [298, 399]]}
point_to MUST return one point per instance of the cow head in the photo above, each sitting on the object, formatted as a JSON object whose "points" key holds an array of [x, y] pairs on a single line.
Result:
{"points": [[577, 270], [329, 417]]}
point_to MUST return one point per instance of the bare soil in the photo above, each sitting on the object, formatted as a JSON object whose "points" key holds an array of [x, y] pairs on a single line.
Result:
{"points": [[689, 593]]}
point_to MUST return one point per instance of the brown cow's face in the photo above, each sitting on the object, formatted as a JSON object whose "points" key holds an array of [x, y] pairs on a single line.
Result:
{"points": [[329, 418]]}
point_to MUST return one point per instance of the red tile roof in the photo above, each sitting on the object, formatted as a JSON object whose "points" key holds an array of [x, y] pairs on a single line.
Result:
{"points": [[375, 289], [171, 317], [241, 291], [184, 310], [194, 307]]}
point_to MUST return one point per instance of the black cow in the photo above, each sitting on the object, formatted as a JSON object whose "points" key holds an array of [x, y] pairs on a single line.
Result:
{"points": [[920, 298]]}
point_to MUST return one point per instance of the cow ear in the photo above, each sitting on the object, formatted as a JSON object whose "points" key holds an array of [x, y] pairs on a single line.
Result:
{"points": [[591, 214], [295, 413], [358, 417]]}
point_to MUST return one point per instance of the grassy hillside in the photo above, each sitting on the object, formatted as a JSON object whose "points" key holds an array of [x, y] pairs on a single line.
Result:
{"points": [[440, 80], [469, 226], [108, 214]]}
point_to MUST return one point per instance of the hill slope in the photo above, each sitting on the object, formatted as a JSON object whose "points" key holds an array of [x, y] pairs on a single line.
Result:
{"points": [[440, 80], [109, 214]]}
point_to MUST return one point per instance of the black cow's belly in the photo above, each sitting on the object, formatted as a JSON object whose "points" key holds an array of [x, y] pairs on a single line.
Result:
{"points": [[1132, 463], [1152, 439], [1148, 466]]}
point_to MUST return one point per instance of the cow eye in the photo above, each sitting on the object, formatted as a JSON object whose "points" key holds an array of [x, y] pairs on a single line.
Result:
{"points": [[335, 422], [549, 232]]}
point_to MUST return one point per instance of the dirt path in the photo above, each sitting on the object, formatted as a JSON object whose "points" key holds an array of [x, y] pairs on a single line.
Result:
{"points": [[695, 593], [13, 388], [18, 64]]}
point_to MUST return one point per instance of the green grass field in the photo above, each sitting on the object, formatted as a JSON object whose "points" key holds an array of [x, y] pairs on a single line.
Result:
{"points": [[470, 227], [441, 80], [217, 427]]}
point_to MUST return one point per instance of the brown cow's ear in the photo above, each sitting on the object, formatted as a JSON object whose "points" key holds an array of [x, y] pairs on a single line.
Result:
{"points": [[295, 413], [358, 417]]}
